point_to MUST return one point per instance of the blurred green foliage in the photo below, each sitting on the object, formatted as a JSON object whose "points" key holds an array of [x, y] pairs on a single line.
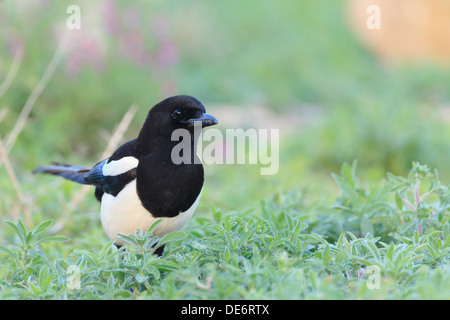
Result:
{"points": [[280, 55]]}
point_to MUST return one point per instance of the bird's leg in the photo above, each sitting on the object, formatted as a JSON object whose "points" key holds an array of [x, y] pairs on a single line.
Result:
{"points": [[159, 251]]}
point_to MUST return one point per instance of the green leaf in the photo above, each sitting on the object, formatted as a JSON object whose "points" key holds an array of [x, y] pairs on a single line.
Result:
{"points": [[398, 201], [153, 271], [44, 277], [217, 215], [447, 242], [346, 188], [173, 236], [446, 230], [154, 226], [42, 226], [9, 252], [20, 230], [364, 261], [128, 238], [166, 265], [374, 250], [431, 251], [390, 252], [349, 173], [245, 237], [50, 239], [140, 278], [326, 257], [313, 279], [227, 223], [174, 250], [366, 226]]}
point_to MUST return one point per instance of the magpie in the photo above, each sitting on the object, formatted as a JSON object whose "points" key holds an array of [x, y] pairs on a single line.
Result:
{"points": [[140, 182]]}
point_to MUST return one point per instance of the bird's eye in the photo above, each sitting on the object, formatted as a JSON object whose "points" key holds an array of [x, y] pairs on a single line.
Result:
{"points": [[177, 114]]}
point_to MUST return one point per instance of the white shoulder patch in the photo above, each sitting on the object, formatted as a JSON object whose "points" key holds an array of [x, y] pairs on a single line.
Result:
{"points": [[116, 167]]}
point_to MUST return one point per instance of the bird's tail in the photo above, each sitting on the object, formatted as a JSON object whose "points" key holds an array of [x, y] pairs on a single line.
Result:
{"points": [[67, 171]]}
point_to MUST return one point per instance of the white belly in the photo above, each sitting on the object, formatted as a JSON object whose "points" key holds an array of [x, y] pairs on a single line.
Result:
{"points": [[125, 214]]}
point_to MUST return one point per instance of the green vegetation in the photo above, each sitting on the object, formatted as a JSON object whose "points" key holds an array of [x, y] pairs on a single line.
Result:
{"points": [[306, 233], [390, 241]]}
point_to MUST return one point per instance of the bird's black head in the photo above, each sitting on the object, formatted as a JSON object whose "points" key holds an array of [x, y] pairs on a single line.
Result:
{"points": [[178, 112], [186, 110]]}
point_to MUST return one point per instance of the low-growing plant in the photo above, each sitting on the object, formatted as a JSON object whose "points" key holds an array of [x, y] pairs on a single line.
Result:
{"points": [[394, 244]]}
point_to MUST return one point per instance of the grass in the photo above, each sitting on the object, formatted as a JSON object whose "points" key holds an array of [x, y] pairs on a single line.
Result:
{"points": [[384, 241], [319, 229]]}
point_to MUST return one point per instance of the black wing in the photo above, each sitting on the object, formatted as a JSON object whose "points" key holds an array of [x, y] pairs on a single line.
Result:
{"points": [[113, 184], [109, 184]]}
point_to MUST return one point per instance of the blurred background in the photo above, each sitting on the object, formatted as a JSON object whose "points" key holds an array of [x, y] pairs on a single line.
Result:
{"points": [[338, 90]]}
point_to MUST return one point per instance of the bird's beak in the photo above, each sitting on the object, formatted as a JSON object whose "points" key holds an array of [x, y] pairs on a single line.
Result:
{"points": [[206, 120]]}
